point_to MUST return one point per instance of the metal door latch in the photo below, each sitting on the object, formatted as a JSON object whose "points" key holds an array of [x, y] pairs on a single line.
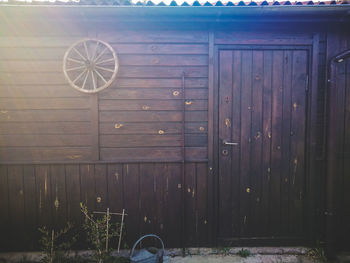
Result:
{"points": [[229, 143]]}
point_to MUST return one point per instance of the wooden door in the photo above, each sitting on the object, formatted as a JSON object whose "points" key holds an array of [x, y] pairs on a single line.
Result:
{"points": [[263, 110]]}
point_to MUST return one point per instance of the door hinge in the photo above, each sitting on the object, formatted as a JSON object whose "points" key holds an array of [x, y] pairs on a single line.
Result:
{"points": [[307, 83]]}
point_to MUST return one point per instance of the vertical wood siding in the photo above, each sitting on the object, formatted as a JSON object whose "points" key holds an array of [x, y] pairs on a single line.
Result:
{"points": [[337, 43], [49, 195], [138, 125]]}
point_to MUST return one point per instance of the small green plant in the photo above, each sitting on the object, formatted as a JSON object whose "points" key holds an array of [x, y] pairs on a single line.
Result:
{"points": [[317, 253], [222, 251], [244, 253], [100, 232], [56, 244]]}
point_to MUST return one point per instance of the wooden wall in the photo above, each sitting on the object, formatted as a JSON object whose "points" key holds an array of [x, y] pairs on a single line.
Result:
{"points": [[121, 148], [49, 195], [137, 118], [339, 42]]}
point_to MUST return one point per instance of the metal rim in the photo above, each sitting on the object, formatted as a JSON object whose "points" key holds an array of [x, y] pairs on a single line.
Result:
{"points": [[90, 65]]}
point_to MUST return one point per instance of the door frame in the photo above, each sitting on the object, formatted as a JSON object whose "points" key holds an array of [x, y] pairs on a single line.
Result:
{"points": [[312, 87]]}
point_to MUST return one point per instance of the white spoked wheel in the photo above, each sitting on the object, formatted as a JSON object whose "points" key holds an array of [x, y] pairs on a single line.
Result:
{"points": [[90, 65]]}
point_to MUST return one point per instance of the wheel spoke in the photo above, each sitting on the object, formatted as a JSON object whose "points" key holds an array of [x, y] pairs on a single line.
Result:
{"points": [[106, 69], [104, 61], [94, 54], [100, 55], [87, 74], [93, 79], [86, 51], [84, 58], [98, 74], [75, 68], [76, 60], [79, 76]]}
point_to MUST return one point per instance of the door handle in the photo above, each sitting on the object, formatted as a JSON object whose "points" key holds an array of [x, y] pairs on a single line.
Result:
{"points": [[229, 143]]}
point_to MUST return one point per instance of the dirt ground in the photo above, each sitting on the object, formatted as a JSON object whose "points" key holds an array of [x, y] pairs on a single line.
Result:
{"points": [[237, 259]]}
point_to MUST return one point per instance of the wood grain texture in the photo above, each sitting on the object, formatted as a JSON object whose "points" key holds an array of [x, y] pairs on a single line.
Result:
{"points": [[262, 97]]}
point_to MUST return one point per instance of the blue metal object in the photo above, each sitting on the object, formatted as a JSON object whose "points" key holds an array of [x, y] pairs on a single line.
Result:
{"points": [[144, 256]]}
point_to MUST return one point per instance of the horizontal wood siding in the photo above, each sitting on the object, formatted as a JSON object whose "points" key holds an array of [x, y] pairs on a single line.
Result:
{"points": [[140, 115], [49, 195], [41, 118]]}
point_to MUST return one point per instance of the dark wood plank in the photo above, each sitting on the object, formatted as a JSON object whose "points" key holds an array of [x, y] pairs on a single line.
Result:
{"points": [[73, 192], [147, 198], [152, 94], [190, 204], [298, 123], [164, 60], [236, 137], [346, 178], [44, 140], [94, 116], [262, 38], [256, 141], [43, 195], [174, 192], [159, 140], [43, 104], [115, 187], [44, 115], [30, 207], [43, 41], [152, 154], [30, 78], [87, 185], [101, 193], [139, 116], [31, 53], [131, 174], [163, 71], [45, 154], [212, 215], [153, 105], [152, 128], [37, 91], [42, 52], [225, 128], [151, 140], [147, 83], [58, 195], [276, 142], [286, 135], [202, 228], [160, 199], [4, 206], [154, 36], [152, 116], [16, 205], [81, 128], [155, 48], [266, 143], [125, 71], [245, 150]]}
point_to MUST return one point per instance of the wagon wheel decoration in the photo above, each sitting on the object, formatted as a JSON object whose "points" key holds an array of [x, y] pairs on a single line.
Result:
{"points": [[90, 65]]}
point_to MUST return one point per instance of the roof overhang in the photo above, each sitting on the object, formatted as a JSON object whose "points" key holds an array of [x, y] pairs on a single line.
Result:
{"points": [[303, 13]]}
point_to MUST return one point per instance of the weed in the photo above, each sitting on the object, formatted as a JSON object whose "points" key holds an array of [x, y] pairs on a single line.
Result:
{"points": [[223, 251], [317, 253], [56, 244], [244, 253], [99, 234]]}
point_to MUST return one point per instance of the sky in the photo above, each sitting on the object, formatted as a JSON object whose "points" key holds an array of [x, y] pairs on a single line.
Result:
{"points": [[158, 1]]}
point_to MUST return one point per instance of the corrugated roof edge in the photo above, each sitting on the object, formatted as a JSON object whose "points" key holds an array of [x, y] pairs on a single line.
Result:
{"points": [[174, 3]]}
